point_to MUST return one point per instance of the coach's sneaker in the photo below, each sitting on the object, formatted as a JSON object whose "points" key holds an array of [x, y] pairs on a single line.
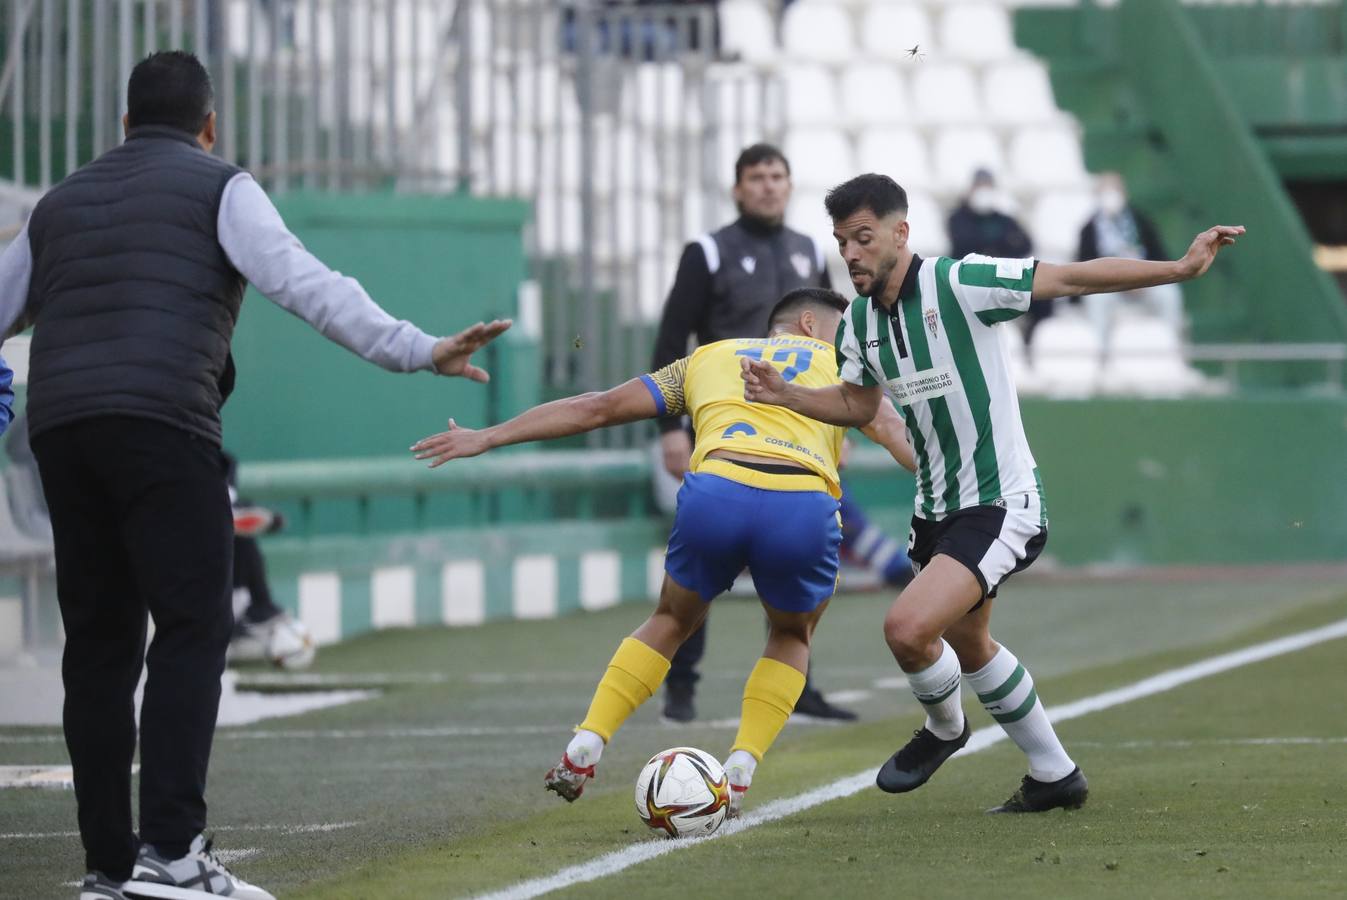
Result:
{"points": [[97, 886], [813, 703], [567, 780], [913, 766], [1039, 796], [197, 875], [678, 706]]}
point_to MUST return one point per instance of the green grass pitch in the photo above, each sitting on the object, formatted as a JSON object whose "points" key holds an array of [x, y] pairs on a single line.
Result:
{"points": [[1229, 787]]}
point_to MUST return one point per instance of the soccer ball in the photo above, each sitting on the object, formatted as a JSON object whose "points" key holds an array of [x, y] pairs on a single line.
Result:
{"points": [[683, 792]]}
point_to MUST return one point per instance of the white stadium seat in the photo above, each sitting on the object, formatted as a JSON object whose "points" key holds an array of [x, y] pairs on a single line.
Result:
{"points": [[1066, 354], [1047, 158], [1145, 357], [810, 96], [888, 30], [927, 223], [817, 32], [873, 93], [899, 153], [1012, 340], [746, 29], [557, 220], [657, 96], [1019, 94], [976, 32], [1056, 220], [819, 158], [959, 152], [945, 94]]}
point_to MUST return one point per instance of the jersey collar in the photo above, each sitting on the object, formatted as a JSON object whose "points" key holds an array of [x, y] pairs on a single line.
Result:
{"points": [[905, 292]]}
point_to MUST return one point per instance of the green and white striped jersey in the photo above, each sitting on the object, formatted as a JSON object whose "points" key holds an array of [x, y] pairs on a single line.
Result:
{"points": [[939, 357]]}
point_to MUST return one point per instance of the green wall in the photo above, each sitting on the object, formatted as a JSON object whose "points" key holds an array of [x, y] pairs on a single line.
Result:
{"points": [[440, 262]]}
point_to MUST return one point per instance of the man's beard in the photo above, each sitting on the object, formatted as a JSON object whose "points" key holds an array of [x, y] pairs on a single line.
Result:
{"points": [[881, 280]]}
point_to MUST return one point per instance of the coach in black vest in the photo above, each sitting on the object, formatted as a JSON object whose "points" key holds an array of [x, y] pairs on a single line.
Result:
{"points": [[131, 272]]}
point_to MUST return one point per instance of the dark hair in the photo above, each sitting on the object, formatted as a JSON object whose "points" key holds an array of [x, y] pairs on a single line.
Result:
{"points": [[171, 88], [878, 193], [800, 299], [758, 153]]}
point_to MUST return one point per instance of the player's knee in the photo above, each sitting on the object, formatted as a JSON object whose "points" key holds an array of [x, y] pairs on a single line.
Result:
{"points": [[909, 639]]}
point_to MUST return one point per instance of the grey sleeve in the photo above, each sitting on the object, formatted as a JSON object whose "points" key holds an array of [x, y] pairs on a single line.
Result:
{"points": [[274, 261], [16, 270]]}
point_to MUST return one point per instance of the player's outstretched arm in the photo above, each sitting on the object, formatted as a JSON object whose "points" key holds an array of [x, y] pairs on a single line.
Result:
{"points": [[627, 402], [888, 430], [838, 404], [1107, 275]]}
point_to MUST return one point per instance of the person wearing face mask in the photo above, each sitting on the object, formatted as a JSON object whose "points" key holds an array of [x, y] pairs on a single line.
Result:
{"points": [[977, 226], [1119, 229]]}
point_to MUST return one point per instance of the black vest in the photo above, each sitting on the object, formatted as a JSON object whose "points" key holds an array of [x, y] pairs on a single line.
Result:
{"points": [[132, 298], [752, 268]]}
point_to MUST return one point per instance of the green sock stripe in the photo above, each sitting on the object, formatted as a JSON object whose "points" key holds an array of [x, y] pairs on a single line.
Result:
{"points": [[1004, 690], [1023, 710], [936, 701]]}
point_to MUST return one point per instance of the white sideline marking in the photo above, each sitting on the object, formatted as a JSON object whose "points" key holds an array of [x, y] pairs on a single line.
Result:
{"points": [[618, 860], [283, 829]]}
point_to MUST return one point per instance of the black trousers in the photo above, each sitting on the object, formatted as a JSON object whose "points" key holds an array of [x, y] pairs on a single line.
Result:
{"points": [[141, 520], [250, 572]]}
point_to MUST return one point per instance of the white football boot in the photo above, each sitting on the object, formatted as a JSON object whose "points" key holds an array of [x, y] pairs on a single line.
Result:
{"points": [[567, 779], [197, 875]]}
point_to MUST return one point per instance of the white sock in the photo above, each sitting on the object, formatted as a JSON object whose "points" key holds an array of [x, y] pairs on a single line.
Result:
{"points": [[585, 748], [740, 766], [937, 687], [1006, 690]]}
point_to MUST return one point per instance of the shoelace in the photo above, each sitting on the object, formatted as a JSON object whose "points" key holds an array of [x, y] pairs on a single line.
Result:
{"points": [[209, 853]]}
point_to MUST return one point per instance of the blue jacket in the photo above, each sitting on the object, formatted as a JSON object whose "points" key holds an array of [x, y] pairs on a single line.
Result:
{"points": [[6, 396]]}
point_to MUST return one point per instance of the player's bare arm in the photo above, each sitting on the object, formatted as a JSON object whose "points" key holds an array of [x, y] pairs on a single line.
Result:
{"points": [[628, 402], [841, 404], [1109, 275], [453, 355], [888, 430]]}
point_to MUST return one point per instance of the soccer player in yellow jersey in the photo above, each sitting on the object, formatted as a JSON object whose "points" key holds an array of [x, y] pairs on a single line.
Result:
{"points": [[761, 494]]}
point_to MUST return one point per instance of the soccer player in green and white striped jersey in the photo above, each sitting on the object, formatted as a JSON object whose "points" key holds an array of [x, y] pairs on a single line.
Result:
{"points": [[925, 333]]}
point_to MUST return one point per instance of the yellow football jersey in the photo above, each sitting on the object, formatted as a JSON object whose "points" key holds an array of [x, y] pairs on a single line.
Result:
{"points": [[707, 386]]}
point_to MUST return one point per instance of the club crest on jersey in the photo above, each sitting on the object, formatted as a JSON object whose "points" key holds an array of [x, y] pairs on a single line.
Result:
{"points": [[801, 264], [932, 320], [749, 263]]}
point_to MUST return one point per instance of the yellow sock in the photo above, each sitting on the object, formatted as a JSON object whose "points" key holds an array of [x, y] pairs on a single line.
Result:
{"points": [[769, 696], [634, 674]]}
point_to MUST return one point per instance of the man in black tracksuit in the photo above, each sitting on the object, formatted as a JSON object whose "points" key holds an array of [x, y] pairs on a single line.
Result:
{"points": [[131, 272], [726, 285]]}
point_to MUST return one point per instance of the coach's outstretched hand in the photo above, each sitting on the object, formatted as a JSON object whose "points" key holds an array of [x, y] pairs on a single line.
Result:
{"points": [[762, 382], [452, 355], [456, 443], [1205, 247]]}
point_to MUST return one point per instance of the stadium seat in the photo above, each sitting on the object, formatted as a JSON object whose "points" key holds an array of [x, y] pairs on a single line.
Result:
{"points": [[1056, 220], [976, 32], [735, 96], [873, 94], [927, 222], [1019, 93], [1065, 354], [959, 152], [1145, 357], [899, 153], [1012, 340], [810, 96], [817, 32], [945, 94], [656, 99], [557, 222], [746, 30], [1047, 158], [515, 156], [887, 30], [819, 158], [637, 219]]}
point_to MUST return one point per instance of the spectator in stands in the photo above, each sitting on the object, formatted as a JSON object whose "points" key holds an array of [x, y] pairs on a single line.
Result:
{"points": [[726, 285], [132, 271], [978, 226], [1120, 229], [6, 395]]}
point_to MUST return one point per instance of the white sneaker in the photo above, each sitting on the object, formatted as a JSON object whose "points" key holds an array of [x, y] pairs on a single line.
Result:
{"points": [[567, 779], [97, 886], [281, 640], [198, 874]]}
